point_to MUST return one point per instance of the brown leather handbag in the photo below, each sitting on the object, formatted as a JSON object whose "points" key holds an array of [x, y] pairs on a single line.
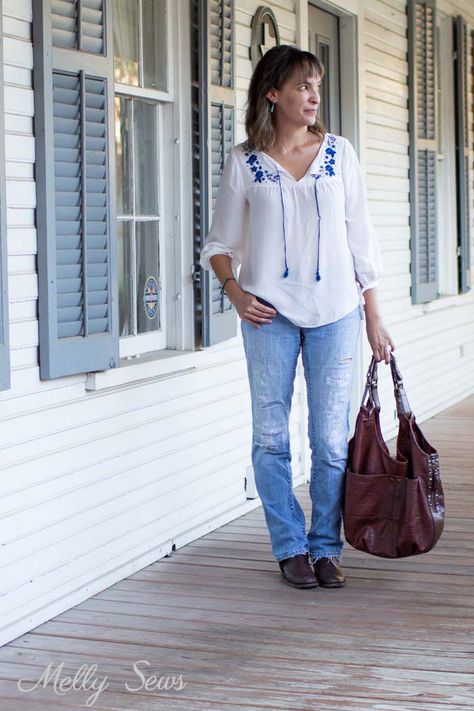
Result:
{"points": [[392, 507]]}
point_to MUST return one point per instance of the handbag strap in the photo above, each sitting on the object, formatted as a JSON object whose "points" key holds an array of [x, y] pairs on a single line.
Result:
{"points": [[403, 406], [371, 387], [371, 381]]}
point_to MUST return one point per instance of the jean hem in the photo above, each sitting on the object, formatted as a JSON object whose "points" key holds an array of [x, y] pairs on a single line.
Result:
{"points": [[301, 551], [313, 559]]}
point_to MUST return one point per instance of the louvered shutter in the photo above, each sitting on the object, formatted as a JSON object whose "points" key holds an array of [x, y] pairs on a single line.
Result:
{"points": [[462, 154], [73, 71], [213, 137], [78, 24], [4, 334], [422, 60]]}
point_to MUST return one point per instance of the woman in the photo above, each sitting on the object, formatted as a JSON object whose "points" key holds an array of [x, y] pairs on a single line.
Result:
{"points": [[292, 211]]}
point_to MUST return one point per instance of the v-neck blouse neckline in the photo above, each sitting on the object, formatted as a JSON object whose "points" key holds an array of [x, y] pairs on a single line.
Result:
{"points": [[316, 158]]}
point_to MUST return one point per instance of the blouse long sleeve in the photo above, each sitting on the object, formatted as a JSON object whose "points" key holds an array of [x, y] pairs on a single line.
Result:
{"points": [[230, 219], [361, 234]]}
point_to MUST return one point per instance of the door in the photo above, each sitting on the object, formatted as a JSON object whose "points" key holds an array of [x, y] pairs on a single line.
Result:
{"points": [[323, 41]]}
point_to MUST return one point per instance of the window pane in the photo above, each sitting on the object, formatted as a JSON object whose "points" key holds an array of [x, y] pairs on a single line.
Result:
{"points": [[146, 158], [123, 157], [148, 277], [154, 44], [124, 245], [126, 41]]}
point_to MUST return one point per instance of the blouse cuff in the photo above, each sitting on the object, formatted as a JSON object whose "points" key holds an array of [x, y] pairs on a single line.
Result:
{"points": [[211, 249], [369, 286]]}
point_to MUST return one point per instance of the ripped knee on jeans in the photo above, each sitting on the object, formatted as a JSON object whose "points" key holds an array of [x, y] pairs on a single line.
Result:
{"points": [[277, 441]]}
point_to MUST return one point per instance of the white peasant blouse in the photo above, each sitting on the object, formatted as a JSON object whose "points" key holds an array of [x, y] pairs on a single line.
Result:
{"points": [[306, 246]]}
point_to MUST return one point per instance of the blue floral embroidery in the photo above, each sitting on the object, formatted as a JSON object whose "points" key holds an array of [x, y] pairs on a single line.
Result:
{"points": [[260, 173], [329, 159]]}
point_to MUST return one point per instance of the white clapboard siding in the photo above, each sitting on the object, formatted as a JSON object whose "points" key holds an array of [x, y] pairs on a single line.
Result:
{"points": [[215, 410], [140, 529], [98, 484], [21, 192]]}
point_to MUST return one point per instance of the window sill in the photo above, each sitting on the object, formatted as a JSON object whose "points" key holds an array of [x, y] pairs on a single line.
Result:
{"points": [[161, 364], [445, 301]]}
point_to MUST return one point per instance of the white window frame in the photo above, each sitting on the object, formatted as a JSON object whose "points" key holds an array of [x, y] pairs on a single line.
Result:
{"points": [[180, 354], [134, 346]]}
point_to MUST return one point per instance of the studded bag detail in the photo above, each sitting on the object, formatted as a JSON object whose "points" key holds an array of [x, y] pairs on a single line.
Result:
{"points": [[393, 507]]}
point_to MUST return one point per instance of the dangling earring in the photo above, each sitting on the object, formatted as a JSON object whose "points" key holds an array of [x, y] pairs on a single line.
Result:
{"points": [[272, 108]]}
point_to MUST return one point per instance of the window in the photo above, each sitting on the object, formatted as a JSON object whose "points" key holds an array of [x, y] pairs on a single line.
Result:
{"points": [[140, 43], [142, 97], [423, 125], [438, 56]]}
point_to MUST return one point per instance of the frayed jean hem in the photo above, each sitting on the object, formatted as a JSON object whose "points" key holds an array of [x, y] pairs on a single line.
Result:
{"points": [[302, 551], [336, 556]]}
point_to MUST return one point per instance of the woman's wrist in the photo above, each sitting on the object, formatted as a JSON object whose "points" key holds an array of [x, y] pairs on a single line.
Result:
{"points": [[371, 308], [225, 282], [371, 315], [232, 289]]}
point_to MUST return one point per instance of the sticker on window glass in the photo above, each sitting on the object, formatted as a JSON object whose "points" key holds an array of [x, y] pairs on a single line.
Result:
{"points": [[150, 297]]}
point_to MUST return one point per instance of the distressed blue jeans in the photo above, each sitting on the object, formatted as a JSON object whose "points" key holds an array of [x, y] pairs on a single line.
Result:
{"points": [[328, 354]]}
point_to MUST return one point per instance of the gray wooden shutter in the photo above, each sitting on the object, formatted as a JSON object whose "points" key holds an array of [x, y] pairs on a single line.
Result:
{"points": [[422, 62], [4, 333], [462, 153], [213, 137], [75, 183]]}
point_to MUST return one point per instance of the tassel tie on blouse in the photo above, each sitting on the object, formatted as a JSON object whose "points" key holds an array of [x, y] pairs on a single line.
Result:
{"points": [[285, 273]]}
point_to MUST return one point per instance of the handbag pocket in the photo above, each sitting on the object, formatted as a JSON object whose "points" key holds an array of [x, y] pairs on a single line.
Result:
{"points": [[368, 495], [389, 516]]}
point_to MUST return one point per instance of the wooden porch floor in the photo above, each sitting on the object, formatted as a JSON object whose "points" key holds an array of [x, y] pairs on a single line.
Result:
{"points": [[398, 637]]}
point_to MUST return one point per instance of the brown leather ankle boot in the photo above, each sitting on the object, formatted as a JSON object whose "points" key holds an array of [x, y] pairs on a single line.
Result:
{"points": [[297, 571], [328, 573]]}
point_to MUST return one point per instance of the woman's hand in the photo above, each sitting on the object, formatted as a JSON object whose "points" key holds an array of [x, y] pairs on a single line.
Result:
{"points": [[248, 307], [379, 338]]}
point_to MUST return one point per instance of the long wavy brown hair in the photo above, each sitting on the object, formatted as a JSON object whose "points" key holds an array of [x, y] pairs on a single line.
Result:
{"points": [[277, 65]]}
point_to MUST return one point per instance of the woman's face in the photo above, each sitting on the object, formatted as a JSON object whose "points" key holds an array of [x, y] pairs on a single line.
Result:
{"points": [[297, 100]]}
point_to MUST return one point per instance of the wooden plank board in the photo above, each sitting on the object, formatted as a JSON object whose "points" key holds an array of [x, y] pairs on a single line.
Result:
{"points": [[398, 636]]}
